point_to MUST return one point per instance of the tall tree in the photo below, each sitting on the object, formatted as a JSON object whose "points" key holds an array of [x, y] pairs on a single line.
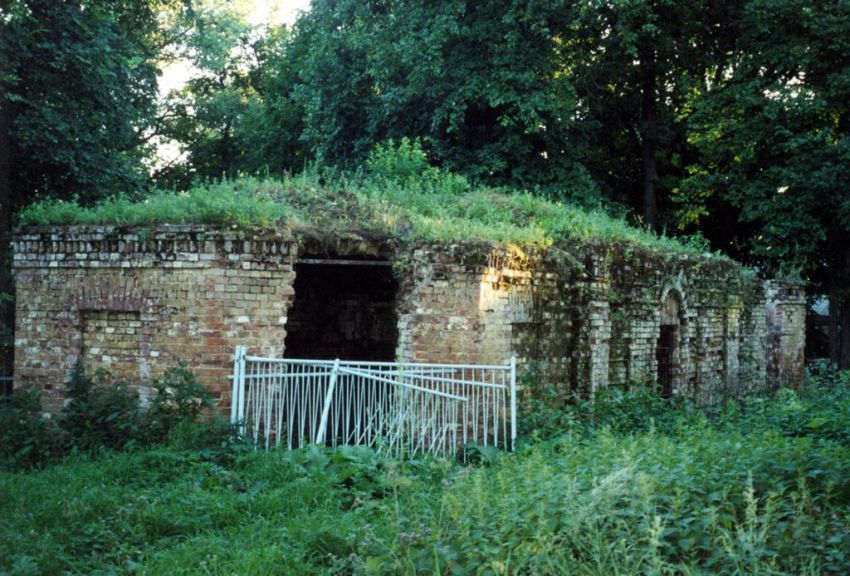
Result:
{"points": [[479, 81], [6, 283], [235, 114], [635, 65], [77, 89], [774, 132]]}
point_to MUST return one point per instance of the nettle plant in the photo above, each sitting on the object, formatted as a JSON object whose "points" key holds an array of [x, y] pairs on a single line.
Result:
{"points": [[100, 413], [178, 397]]}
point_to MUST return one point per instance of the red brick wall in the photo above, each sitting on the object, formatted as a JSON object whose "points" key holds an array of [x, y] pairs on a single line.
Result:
{"points": [[136, 303], [586, 316]]}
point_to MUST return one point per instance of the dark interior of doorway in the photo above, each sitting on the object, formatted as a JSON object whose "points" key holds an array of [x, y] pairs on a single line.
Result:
{"points": [[664, 354], [343, 310]]}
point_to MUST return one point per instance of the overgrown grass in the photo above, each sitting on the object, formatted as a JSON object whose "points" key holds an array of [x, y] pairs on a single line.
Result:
{"points": [[430, 207], [249, 203], [761, 487]]}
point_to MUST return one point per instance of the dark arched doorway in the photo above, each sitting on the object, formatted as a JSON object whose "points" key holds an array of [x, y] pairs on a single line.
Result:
{"points": [[667, 347], [343, 309]]}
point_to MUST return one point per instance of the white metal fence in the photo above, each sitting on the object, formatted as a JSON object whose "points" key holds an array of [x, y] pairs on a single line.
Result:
{"points": [[401, 408]]}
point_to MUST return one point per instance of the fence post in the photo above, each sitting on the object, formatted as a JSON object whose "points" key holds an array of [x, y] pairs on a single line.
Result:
{"points": [[234, 415], [237, 398], [513, 402], [323, 426]]}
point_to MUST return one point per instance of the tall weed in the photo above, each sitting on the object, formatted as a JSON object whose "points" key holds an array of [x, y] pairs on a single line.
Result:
{"points": [[736, 490], [27, 439], [99, 412]]}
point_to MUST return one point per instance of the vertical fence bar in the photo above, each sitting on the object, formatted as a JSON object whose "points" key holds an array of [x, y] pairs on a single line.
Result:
{"points": [[280, 399], [513, 402], [292, 384], [320, 437], [237, 384]]}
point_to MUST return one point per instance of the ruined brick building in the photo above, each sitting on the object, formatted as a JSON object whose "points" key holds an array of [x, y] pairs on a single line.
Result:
{"points": [[581, 316]]}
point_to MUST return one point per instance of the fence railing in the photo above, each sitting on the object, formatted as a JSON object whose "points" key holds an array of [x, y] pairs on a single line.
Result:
{"points": [[402, 408]]}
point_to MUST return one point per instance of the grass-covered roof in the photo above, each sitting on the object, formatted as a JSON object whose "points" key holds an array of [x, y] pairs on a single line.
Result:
{"points": [[440, 209]]}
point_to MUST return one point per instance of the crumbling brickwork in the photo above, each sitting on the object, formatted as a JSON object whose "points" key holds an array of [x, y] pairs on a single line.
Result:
{"points": [[582, 316], [135, 302], [785, 326], [459, 304], [593, 317]]}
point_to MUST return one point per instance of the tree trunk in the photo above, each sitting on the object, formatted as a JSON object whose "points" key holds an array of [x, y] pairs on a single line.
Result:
{"points": [[7, 209], [843, 305], [649, 131], [5, 188], [842, 282], [9, 201], [844, 332], [225, 152], [838, 270], [832, 326], [6, 202]]}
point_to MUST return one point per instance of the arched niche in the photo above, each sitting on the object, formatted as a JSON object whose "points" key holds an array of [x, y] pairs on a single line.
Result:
{"points": [[668, 347]]}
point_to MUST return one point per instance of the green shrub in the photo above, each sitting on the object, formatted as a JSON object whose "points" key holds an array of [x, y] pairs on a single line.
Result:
{"points": [[400, 162], [27, 439], [99, 414], [406, 165], [178, 397], [640, 408], [102, 413], [820, 411], [545, 413], [218, 439]]}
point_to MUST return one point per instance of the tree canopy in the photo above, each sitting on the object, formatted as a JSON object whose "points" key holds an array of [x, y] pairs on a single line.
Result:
{"points": [[773, 131], [77, 97], [727, 120]]}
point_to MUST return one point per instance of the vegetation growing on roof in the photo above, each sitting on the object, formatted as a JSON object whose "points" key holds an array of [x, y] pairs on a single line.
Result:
{"points": [[423, 205]]}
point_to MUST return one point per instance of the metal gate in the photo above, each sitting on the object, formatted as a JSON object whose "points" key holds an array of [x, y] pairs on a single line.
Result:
{"points": [[402, 408]]}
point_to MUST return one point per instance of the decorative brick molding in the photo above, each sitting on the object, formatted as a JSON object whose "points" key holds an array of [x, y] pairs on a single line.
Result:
{"points": [[165, 246]]}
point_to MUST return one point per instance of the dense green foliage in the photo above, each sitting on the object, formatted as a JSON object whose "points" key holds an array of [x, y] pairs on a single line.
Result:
{"points": [[100, 414], [774, 137], [234, 115], [757, 487], [78, 87], [434, 71], [27, 440], [636, 66]]}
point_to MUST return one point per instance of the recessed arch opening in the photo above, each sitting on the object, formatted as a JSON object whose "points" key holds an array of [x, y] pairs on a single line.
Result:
{"points": [[667, 349]]}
